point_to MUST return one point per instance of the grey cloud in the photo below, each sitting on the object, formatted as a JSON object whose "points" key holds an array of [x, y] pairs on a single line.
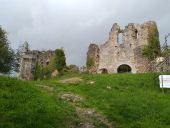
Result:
{"points": [[73, 24]]}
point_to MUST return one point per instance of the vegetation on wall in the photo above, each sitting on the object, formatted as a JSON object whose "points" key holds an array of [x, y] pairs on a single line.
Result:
{"points": [[89, 62], [58, 62], [38, 73], [152, 50]]}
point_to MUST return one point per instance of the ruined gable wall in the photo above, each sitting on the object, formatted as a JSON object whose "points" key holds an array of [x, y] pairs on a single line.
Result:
{"points": [[44, 57], [29, 59], [127, 51], [93, 55], [142, 64]]}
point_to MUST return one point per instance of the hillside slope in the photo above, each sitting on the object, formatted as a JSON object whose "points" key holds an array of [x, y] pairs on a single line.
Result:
{"points": [[23, 105], [126, 100], [85, 101]]}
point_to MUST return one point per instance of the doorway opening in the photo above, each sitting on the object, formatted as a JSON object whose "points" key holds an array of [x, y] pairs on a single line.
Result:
{"points": [[124, 68], [104, 71]]}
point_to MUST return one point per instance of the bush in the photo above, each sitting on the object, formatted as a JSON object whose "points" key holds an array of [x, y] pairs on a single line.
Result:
{"points": [[60, 60]]}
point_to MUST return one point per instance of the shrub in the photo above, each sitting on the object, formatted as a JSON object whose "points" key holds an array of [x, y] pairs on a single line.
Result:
{"points": [[60, 60]]}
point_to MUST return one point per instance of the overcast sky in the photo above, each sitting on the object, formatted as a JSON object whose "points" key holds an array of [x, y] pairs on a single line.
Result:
{"points": [[74, 24]]}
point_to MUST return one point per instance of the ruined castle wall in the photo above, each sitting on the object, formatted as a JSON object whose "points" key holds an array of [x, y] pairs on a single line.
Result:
{"points": [[93, 54], [127, 50], [27, 65], [29, 59], [44, 57]]}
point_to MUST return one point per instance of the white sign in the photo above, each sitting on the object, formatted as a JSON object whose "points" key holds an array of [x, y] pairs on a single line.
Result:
{"points": [[164, 81]]}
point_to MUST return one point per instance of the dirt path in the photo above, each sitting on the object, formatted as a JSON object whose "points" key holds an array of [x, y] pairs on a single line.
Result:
{"points": [[90, 118]]}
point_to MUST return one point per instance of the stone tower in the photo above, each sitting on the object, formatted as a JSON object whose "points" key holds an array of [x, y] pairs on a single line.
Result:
{"points": [[122, 52], [27, 63], [93, 54]]}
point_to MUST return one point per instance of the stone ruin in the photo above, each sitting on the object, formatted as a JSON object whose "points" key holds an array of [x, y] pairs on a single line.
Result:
{"points": [[122, 52], [29, 59], [93, 53]]}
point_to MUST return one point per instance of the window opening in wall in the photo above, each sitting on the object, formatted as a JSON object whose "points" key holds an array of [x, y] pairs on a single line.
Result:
{"points": [[120, 38], [47, 63], [136, 34], [104, 71], [130, 45]]}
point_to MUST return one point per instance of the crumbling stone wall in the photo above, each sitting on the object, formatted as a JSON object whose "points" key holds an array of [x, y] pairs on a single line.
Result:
{"points": [[124, 47], [29, 59], [92, 58]]}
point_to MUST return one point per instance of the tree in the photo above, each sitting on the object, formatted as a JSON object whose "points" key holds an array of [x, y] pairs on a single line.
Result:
{"points": [[60, 60], [16, 61], [6, 54]]}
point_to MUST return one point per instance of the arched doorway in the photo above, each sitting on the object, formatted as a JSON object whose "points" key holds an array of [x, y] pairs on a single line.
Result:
{"points": [[124, 68], [104, 71]]}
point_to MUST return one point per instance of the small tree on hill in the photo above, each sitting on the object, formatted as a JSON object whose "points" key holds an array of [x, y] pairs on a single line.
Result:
{"points": [[6, 54]]}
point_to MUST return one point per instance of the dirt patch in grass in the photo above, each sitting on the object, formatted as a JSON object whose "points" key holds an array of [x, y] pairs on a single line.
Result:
{"points": [[70, 97], [45, 87], [90, 116], [86, 125], [72, 80]]}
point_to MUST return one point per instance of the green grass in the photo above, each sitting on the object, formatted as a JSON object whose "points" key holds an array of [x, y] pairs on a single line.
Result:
{"points": [[134, 100], [126, 100], [23, 105]]}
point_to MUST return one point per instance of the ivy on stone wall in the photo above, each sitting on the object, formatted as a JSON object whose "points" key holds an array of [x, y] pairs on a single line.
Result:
{"points": [[152, 50], [89, 62], [58, 62], [38, 73]]}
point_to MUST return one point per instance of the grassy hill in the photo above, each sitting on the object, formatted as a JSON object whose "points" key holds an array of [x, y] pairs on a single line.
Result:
{"points": [[23, 105], [118, 100]]}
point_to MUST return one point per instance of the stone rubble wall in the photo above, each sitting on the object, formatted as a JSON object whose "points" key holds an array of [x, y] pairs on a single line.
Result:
{"points": [[29, 59], [127, 49], [93, 53]]}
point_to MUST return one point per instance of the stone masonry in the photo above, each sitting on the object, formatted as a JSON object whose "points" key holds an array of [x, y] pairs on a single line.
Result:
{"points": [[93, 53], [123, 49], [29, 59]]}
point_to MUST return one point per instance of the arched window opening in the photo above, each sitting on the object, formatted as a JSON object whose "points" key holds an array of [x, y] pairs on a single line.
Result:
{"points": [[136, 34], [47, 63], [120, 38]]}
